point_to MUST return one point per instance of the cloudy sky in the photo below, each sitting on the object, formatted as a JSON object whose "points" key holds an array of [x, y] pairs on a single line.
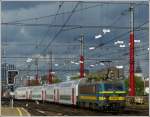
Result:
{"points": [[35, 28]]}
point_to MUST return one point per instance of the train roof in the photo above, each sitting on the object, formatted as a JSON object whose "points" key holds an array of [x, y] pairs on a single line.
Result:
{"points": [[21, 88], [68, 83]]}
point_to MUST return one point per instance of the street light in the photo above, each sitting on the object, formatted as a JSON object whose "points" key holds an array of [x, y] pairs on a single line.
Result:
{"points": [[106, 31], [122, 46], [102, 64], [91, 48], [92, 65], [137, 41], [119, 67], [119, 42], [77, 63], [72, 62], [52, 72], [56, 65], [98, 36], [29, 60], [81, 62]]}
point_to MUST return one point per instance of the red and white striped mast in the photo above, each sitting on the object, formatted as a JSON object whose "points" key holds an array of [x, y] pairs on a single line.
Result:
{"points": [[82, 56], [49, 78], [37, 74], [131, 81]]}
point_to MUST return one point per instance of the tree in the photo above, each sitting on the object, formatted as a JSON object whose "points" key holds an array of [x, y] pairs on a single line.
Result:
{"points": [[139, 84], [57, 80], [90, 76], [75, 77]]}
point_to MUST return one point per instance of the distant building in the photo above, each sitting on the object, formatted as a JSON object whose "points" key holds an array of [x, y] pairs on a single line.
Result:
{"points": [[138, 71], [112, 72]]}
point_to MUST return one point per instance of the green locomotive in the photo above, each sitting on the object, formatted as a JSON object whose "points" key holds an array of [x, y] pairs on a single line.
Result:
{"points": [[105, 95]]}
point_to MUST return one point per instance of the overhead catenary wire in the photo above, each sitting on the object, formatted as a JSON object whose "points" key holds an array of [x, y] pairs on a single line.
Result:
{"points": [[73, 26], [52, 15], [73, 10], [49, 26]]}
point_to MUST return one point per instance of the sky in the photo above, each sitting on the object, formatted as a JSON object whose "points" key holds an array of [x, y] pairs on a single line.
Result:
{"points": [[34, 29]]}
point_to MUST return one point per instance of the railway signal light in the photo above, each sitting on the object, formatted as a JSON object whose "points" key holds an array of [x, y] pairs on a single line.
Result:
{"points": [[11, 76], [11, 88]]}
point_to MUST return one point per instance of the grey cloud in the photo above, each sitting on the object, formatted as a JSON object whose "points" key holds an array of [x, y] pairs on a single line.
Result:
{"points": [[102, 15]]}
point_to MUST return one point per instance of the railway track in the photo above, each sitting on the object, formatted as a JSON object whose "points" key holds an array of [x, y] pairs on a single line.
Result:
{"points": [[57, 110], [5, 102], [50, 109]]}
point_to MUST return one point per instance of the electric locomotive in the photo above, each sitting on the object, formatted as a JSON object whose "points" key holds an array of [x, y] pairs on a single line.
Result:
{"points": [[105, 95]]}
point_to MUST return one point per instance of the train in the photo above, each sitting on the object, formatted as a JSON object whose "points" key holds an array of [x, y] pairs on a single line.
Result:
{"points": [[102, 95]]}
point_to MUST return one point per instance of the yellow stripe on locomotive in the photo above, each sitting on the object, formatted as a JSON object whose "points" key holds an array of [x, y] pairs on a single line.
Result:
{"points": [[88, 97], [116, 98]]}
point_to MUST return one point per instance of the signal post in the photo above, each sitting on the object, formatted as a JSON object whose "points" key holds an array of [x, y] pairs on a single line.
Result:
{"points": [[11, 74]]}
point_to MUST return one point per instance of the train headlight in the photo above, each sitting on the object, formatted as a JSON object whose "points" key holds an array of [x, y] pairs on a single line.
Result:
{"points": [[102, 98]]}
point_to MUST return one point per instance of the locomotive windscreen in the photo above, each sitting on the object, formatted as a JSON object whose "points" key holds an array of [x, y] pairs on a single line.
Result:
{"points": [[112, 87]]}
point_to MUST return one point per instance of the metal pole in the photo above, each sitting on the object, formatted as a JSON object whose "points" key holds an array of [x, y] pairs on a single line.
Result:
{"points": [[28, 74], [37, 82], [144, 86], [12, 103], [118, 74], [50, 69], [132, 82], [82, 57]]}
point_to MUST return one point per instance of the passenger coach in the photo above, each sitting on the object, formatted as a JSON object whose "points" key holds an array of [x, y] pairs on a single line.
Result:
{"points": [[82, 92]]}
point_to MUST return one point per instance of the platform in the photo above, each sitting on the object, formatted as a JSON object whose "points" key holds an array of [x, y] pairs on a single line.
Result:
{"points": [[16, 111]]}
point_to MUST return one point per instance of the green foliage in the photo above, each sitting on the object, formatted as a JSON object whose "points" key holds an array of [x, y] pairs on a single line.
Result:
{"points": [[75, 77], [139, 84], [56, 80], [94, 76]]}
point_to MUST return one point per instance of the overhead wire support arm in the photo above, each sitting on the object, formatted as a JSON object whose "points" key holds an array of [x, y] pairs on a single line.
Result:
{"points": [[49, 25]]}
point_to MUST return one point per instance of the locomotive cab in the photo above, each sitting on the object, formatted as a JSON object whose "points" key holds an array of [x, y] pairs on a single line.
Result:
{"points": [[105, 95], [113, 95]]}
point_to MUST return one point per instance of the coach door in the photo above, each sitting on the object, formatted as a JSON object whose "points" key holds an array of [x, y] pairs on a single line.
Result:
{"points": [[45, 95], [26, 94], [42, 95], [30, 95], [54, 95], [57, 95], [73, 95]]}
